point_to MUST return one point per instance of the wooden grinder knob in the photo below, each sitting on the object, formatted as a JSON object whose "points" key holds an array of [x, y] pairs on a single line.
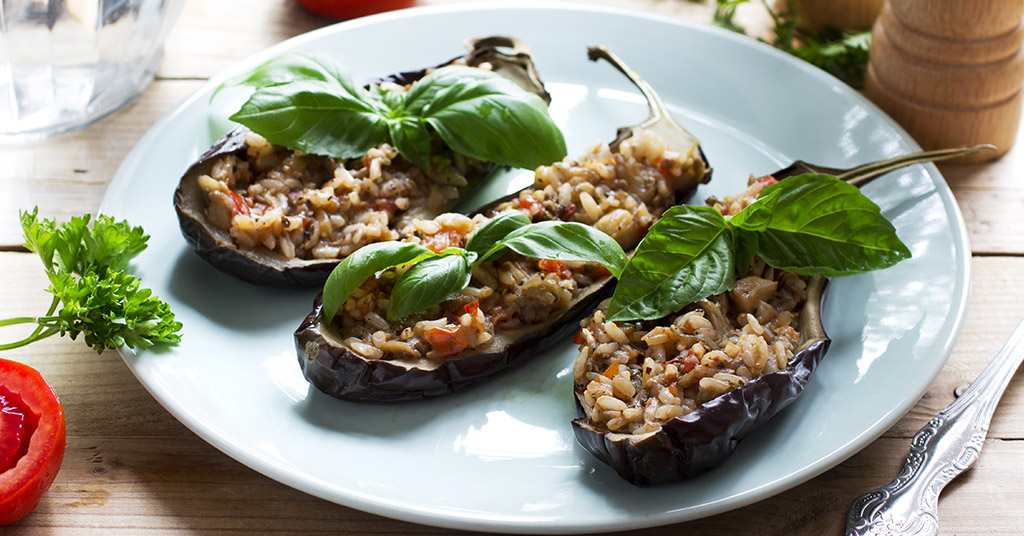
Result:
{"points": [[950, 71]]}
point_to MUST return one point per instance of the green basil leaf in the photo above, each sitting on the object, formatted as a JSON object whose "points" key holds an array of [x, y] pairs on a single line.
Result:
{"points": [[289, 68], [824, 226], [744, 247], [495, 230], [428, 282], [486, 116], [412, 139], [757, 214], [362, 264], [316, 117], [685, 257], [563, 241]]}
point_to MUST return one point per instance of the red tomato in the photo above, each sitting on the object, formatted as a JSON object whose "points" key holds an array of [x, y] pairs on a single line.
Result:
{"points": [[350, 9], [32, 439], [448, 340]]}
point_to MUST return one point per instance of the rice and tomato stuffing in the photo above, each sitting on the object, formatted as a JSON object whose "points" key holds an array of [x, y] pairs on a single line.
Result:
{"points": [[307, 206], [620, 192]]}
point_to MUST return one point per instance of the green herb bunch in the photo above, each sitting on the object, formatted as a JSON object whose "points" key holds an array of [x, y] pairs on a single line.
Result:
{"points": [[810, 224], [843, 55], [310, 103], [92, 293]]}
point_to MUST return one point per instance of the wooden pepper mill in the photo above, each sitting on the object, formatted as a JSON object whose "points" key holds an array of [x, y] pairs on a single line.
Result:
{"points": [[950, 71]]}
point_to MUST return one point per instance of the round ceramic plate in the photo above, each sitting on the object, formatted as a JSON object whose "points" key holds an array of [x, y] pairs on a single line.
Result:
{"points": [[501, 456]]}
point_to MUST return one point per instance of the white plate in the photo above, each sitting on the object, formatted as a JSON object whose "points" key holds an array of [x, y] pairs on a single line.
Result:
{"points": [[501, 456]]}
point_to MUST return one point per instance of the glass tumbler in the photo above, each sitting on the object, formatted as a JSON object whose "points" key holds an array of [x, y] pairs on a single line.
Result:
{"points": [[66, 63]]}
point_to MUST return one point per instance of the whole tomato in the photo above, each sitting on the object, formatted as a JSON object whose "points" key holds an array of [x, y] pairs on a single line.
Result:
{"points": [[32, 439], [350, 9]]}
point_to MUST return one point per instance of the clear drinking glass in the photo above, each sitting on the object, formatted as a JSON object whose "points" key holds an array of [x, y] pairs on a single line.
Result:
{"points": [[67, 63]]}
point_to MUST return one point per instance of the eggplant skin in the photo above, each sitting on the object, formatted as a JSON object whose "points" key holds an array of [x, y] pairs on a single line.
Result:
{"points": [[703, 439], [341, 373]]}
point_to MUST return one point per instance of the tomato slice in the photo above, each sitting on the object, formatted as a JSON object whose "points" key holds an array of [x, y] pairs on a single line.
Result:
{"points": [[350, 9], [32, 439]]}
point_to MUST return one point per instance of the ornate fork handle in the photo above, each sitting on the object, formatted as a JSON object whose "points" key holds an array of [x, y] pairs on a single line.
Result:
{"points": [[940, 451]]}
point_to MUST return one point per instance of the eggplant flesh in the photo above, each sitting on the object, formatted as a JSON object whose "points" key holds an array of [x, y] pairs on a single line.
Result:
{"points": [[336, 360], [262, 260]]}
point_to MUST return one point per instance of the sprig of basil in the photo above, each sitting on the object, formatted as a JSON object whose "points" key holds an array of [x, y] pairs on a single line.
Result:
{"points": [[563, 241], [824, 226], [687, 253], [809, 224], [434, 277], [310, 103], [428, 282], [363, 263]]}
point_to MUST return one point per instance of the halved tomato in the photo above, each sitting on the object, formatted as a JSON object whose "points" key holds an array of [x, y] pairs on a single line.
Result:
{"points": [[32, 439], [350, 9]]}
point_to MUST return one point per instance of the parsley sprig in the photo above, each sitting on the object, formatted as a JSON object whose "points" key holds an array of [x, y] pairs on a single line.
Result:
{"points": [[92, 293]]}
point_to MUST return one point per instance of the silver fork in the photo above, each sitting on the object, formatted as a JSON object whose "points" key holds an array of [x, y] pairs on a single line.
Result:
{"points": [[941, 450]]}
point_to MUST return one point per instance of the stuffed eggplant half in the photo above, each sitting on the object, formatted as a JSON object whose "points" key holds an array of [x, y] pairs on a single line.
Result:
{"points": [[513, 305], [668, 399], [279, 215], [669, 396]]}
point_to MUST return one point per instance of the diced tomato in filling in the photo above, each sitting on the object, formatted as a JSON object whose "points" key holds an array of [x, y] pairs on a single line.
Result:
{"points": [[688, 361], [579, 338], [17, 423], [448, 340], [611, 371], [241, 207], [443, 240], [530, 205], [767, 180], [472, 307], [665, 170], [557, 267], [387, 205]]}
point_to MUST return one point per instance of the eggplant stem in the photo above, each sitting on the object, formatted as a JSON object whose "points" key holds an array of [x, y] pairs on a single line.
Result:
{"points": [[658, 112], [659, 120], [863, 174]]}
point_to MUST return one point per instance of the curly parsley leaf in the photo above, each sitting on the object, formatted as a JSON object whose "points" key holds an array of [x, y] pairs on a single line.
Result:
{"points": [[92, 293]]}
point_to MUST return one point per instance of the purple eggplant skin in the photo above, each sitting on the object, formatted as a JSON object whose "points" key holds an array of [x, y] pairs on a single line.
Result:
{"points": [[337, 371], [262, 267], [703, 439]]}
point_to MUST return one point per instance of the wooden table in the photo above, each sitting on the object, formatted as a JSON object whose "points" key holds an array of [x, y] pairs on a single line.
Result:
{"points": [[130, 467]]}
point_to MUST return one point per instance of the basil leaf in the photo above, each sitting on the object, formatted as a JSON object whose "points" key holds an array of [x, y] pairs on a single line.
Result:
{"points": [[486, 116], [563, 241], [755, 216], [744, 247], [288, 68], [412, 140], [824, 226], [493, 231], [686, 256], [428, 282], [362, 264]]}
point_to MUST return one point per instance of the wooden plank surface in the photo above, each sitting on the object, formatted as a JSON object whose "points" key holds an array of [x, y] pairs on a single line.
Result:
{"points": [[131, 468]]}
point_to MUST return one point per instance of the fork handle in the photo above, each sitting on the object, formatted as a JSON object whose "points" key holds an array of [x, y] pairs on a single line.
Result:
{"points": [[940, 451]]}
